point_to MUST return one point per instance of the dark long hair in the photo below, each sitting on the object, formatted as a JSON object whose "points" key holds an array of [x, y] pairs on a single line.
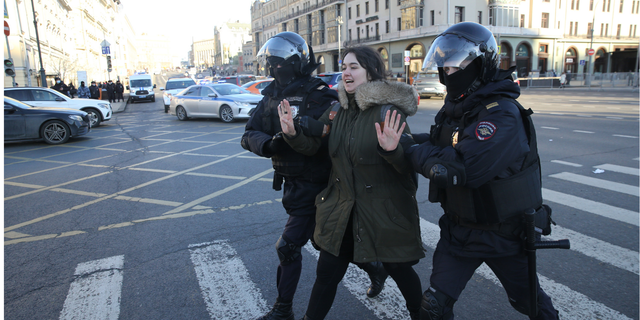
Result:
{"points": [[370, 60]]}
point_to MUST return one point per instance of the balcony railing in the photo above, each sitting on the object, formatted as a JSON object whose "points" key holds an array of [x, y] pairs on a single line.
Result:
{"points": [[362, 40]]}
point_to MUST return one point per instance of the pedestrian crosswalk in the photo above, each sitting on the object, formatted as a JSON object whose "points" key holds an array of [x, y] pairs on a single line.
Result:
{"points": [[229, 291]]}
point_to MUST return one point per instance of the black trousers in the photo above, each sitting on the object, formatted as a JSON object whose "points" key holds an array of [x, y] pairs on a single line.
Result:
{"points": [[451, 273], [331, 270], [119, 96]]}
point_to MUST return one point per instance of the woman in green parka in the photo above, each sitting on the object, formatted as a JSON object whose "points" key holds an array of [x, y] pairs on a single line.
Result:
{"points": [[368, 212]]}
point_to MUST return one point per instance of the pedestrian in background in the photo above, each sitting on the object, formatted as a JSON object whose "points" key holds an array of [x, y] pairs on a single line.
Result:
{"points": [[483, 168], [568, 77], [563, 80], [60, 86], [83, 91], [96, 92], [368, 212], [119, 91], [111, 91], [72, 90]]}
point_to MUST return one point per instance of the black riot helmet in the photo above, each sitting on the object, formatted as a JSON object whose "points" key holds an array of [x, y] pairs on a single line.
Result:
{"points": [[291, 48], [470, 47]]}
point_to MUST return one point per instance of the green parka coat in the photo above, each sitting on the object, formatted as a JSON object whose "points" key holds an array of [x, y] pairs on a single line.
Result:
{"points": [[373, 186]]}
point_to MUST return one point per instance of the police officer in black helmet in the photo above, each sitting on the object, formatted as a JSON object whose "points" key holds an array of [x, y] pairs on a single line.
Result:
{"points": [[482, 163], [290, 62]]}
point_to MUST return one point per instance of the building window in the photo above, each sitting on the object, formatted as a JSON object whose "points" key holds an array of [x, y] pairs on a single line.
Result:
{"points": [[459, 15], [377, 29], [480, 17], [543, 48], [575, 29], [386, 4], [358, 33], [366, 8], [618, 32], [399, 24], [573, 4], [522, 21], [634, 29], [357, 10], [571, 28], [609, 6], [491, 21], [630, 30], [387, 26], [377, 5], [349, 13], [604, 5], [577, 4], [399, 2], [601, 29], [606, 30], [545, 20], [433, 17], [421, 16], [350, 35], [621, 5], [590, 5], [589, 29]]}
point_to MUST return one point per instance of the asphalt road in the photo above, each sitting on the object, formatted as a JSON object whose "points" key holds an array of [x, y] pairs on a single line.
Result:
{"points": [[148, 217]]}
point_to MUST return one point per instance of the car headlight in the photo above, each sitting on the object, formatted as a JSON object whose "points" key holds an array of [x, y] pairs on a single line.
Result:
{"points": [[243, 104], [75, 118], [103, 105]]}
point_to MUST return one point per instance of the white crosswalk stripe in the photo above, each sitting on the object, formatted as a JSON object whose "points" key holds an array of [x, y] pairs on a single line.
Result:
{"points": [[95, 293]]}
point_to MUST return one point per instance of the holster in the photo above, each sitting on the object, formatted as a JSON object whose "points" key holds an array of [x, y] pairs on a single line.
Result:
{"points": [[278, 180]]}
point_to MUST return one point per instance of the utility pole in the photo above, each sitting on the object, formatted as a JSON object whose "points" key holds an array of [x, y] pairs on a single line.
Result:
{"points": [[339, 20], [43, 76]]}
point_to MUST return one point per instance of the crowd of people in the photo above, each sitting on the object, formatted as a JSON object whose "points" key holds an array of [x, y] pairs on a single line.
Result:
{"points": [[349, 164], [94, 91]]}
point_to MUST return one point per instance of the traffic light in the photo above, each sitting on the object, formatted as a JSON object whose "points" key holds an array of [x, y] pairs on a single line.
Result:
{"points": [[109, 63], [9, 68]]}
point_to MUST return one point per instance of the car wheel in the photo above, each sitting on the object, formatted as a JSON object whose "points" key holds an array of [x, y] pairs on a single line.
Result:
{"points": [[94, 117], [181, 113], [55, 132], [226, 114], [153, 99]]}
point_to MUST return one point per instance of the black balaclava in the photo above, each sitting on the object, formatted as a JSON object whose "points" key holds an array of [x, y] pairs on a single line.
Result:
{"points": [[458, 82], [288, 71], [82, 84]]}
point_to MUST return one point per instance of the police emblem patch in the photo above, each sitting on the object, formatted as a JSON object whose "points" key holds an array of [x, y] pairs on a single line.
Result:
{"points": [[294, 112], [485, 130]]}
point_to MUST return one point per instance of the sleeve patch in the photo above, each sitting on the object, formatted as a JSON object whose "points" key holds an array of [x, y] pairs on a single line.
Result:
{"points": [[485, 130]]}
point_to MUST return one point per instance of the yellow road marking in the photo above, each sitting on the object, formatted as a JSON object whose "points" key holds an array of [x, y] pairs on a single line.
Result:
{"points": [[14, 235]]}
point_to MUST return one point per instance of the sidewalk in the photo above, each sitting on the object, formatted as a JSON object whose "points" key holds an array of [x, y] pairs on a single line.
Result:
{"points": [[121, 106]]}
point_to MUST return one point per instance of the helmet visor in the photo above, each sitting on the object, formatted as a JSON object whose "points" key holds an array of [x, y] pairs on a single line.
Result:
{"points": [[451, 50], [279, 47]]}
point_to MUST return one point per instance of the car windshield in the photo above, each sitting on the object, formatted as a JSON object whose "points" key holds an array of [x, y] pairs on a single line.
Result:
{"points": [[227, 89], [427, 75], [141, 83], [179, 84]]}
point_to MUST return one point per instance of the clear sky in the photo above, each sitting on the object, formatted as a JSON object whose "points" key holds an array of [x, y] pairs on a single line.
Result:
{"points": [[184, 20]]}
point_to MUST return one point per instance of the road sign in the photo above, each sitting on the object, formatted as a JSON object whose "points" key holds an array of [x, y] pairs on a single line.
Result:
{"points": [[583, 62], [407, 53], [591, 52], [6, 29], [105, 43], [106, 50]]}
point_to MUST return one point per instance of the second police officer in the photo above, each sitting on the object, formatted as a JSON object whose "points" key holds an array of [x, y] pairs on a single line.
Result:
{"points": [[482, 163], [290, 62]]}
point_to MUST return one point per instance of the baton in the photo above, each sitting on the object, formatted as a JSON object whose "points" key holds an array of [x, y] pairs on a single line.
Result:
{"points": [[530, 248]]}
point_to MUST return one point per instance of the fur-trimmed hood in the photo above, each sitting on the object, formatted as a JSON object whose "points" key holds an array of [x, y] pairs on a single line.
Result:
{"points": [[383, 92]]}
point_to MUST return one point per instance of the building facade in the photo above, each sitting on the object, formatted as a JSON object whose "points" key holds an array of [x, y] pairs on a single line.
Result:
{"points": [[539, 37]]}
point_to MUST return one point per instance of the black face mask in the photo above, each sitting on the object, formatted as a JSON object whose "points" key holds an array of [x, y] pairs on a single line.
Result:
{"points": [[458, 82], [283, 75]]}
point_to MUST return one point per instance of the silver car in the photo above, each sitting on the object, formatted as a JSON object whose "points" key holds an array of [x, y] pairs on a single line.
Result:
{"points": [[428, 84], [225, 101]]}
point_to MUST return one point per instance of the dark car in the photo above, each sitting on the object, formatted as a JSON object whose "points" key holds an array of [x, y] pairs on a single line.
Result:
{"points": [[428, 85], [53, 125], [331, 78], [237, 80]]}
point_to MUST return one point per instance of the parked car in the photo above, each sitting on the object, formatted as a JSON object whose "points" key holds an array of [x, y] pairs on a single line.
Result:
{"points": [[257, 86], [173, 87], [225, 101], [331, 78], [98, 110], [428, 85], [237, 80], [53, 125]]}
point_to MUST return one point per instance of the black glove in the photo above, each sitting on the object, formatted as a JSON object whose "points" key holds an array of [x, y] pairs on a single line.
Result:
{"points": [[244, 143], [310, 126], [275, 145], [445, 174]]}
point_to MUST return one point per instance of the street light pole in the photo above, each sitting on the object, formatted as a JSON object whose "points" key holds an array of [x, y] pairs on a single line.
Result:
{"points": [[593, 25], [339, 20], [43, 76]]}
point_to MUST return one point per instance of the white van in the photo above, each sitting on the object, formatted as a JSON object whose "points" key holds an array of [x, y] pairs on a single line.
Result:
{"points": [[141, 88]]}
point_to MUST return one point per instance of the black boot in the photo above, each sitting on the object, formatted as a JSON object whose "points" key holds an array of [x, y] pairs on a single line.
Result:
{"points": [[280, 311], [377, 274]]}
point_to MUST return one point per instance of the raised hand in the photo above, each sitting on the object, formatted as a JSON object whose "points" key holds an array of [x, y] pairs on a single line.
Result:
{"points": [[390, 132], [286, 118]]}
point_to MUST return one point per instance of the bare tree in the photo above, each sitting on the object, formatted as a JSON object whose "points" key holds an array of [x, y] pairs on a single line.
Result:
{"points": [[65, 66]]}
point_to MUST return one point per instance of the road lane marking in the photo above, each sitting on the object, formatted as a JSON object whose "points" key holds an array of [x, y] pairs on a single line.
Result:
{"points": [[549, 128], [215, 176], [225, 283], [111, 195], [570, 303], [603, 251], [623, 136], [598, 183], [389, 304], [153, 170], [219, 192], [96, 291], [582, 131], [15, 235], [567, 163], [590, 206], [620, 169]]}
